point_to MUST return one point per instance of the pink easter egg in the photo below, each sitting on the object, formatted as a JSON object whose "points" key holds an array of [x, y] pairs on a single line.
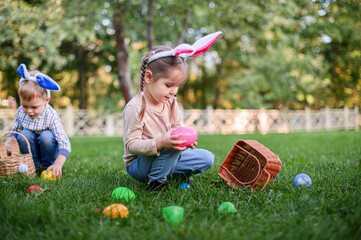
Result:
{"points": [[189, 134]]}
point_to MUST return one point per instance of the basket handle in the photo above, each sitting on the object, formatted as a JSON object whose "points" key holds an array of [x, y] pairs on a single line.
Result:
{"points": [[234, 178], [268, 178], [27, 142], [230, 174]]}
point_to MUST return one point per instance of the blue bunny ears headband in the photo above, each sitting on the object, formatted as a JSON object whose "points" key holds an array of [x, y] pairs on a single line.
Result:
{"points": [[185, 50], [43, 80]]}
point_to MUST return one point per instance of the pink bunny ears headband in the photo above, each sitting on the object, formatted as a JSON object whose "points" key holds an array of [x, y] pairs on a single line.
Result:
{"points": [[43, 80], [185, 50]]}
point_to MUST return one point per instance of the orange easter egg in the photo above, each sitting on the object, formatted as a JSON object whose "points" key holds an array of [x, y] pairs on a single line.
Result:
{"points": [[116, 210]]}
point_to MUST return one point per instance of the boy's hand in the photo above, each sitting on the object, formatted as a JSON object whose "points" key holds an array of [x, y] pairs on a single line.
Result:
{"points": [[56, 170], [57, 166]]}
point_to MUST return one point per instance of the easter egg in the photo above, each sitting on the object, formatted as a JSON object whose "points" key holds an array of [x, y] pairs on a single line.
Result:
{"points": [[277, 178], [173, 214], [47, 176], [116, 210], [302, 180], [227, 207], [184, 186], [35, 189], [95, 209], [188, 134], [23, 169], [123, 193]]}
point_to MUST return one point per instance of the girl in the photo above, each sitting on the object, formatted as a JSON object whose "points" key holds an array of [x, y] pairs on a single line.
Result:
{"points": [[151, 154]]}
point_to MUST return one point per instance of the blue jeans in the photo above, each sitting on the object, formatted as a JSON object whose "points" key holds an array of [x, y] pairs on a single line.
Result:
{"points": [[43, 146], [170, 162]]}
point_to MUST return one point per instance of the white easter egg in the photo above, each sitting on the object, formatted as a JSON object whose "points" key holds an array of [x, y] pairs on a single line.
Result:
{"points": [[23, 169]]}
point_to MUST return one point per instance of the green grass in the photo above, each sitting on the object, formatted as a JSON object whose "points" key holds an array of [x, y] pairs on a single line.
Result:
{"points": [[330, 209]]}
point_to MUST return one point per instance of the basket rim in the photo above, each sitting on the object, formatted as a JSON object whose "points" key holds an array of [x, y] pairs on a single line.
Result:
{"points": [[265, 152], [27, 142]]}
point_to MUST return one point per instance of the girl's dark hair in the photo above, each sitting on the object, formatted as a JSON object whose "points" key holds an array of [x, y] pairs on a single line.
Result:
{"points": [[160, 68]]}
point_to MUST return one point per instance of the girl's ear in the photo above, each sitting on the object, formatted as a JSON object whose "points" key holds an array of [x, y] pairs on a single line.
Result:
{"points": [[47, 99], [148, 76]]}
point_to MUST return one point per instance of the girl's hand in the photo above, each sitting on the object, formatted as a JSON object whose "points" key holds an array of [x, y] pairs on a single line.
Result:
{"points": [[193, 146], [168, 141]]}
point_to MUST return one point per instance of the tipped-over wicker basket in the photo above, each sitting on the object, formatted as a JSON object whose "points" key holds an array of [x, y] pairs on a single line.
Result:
{"points": [[9, 165], [249, 163]]}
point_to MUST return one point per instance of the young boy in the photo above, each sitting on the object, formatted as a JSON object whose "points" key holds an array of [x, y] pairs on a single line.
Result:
{"points": [[40, 123]]}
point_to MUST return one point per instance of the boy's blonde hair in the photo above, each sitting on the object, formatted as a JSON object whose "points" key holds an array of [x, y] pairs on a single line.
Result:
{"points": [[29, 90]]}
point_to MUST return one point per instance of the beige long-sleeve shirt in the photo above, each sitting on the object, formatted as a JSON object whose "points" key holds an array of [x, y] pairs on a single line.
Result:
{"points": [[139, 136]]}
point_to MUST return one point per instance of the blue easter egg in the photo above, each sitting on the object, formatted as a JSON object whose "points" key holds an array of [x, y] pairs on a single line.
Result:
{"points": [[278, 177], [184, 186], [302, 180]]}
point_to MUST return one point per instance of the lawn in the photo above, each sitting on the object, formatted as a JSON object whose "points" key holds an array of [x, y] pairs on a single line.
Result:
{"points": [[329, 209]]}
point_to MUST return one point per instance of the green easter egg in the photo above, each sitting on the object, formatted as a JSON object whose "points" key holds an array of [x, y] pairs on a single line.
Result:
{"points": [[123, 193], [227, 207], [173, 214]]}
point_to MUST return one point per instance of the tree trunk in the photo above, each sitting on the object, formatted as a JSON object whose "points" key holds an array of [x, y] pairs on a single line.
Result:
{"points": [[82, 81], [8, 83], [204, 83], [186, 22], [119, 21], [217, 99], [150, 36]]}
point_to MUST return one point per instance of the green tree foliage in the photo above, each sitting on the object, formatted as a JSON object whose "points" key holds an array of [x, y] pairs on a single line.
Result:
{"points": [[53, 36], [271, 54], [82, 47], [30, 35], [337, 30], [261, 58]]}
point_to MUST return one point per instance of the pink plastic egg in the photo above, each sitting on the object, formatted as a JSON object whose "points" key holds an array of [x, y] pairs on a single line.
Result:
{"points": [[189, 134]]}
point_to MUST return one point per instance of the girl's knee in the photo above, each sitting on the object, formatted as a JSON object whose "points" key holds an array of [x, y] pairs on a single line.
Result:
{"points": [[209, 159]]}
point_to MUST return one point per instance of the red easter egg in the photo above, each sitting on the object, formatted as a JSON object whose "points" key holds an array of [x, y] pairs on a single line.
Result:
{"points": [[34, 188], [189, 134]]}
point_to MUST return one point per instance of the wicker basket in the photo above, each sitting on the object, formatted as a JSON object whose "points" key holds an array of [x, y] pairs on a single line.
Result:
{"points": [[9, 165], [249, 163]]}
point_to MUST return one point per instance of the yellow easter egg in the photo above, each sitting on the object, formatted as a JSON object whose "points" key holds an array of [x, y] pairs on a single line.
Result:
{"points": [[47, 176], [116, 210]]}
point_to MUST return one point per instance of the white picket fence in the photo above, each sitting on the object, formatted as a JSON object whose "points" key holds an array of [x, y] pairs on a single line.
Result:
{"points": [[210, 121]]}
